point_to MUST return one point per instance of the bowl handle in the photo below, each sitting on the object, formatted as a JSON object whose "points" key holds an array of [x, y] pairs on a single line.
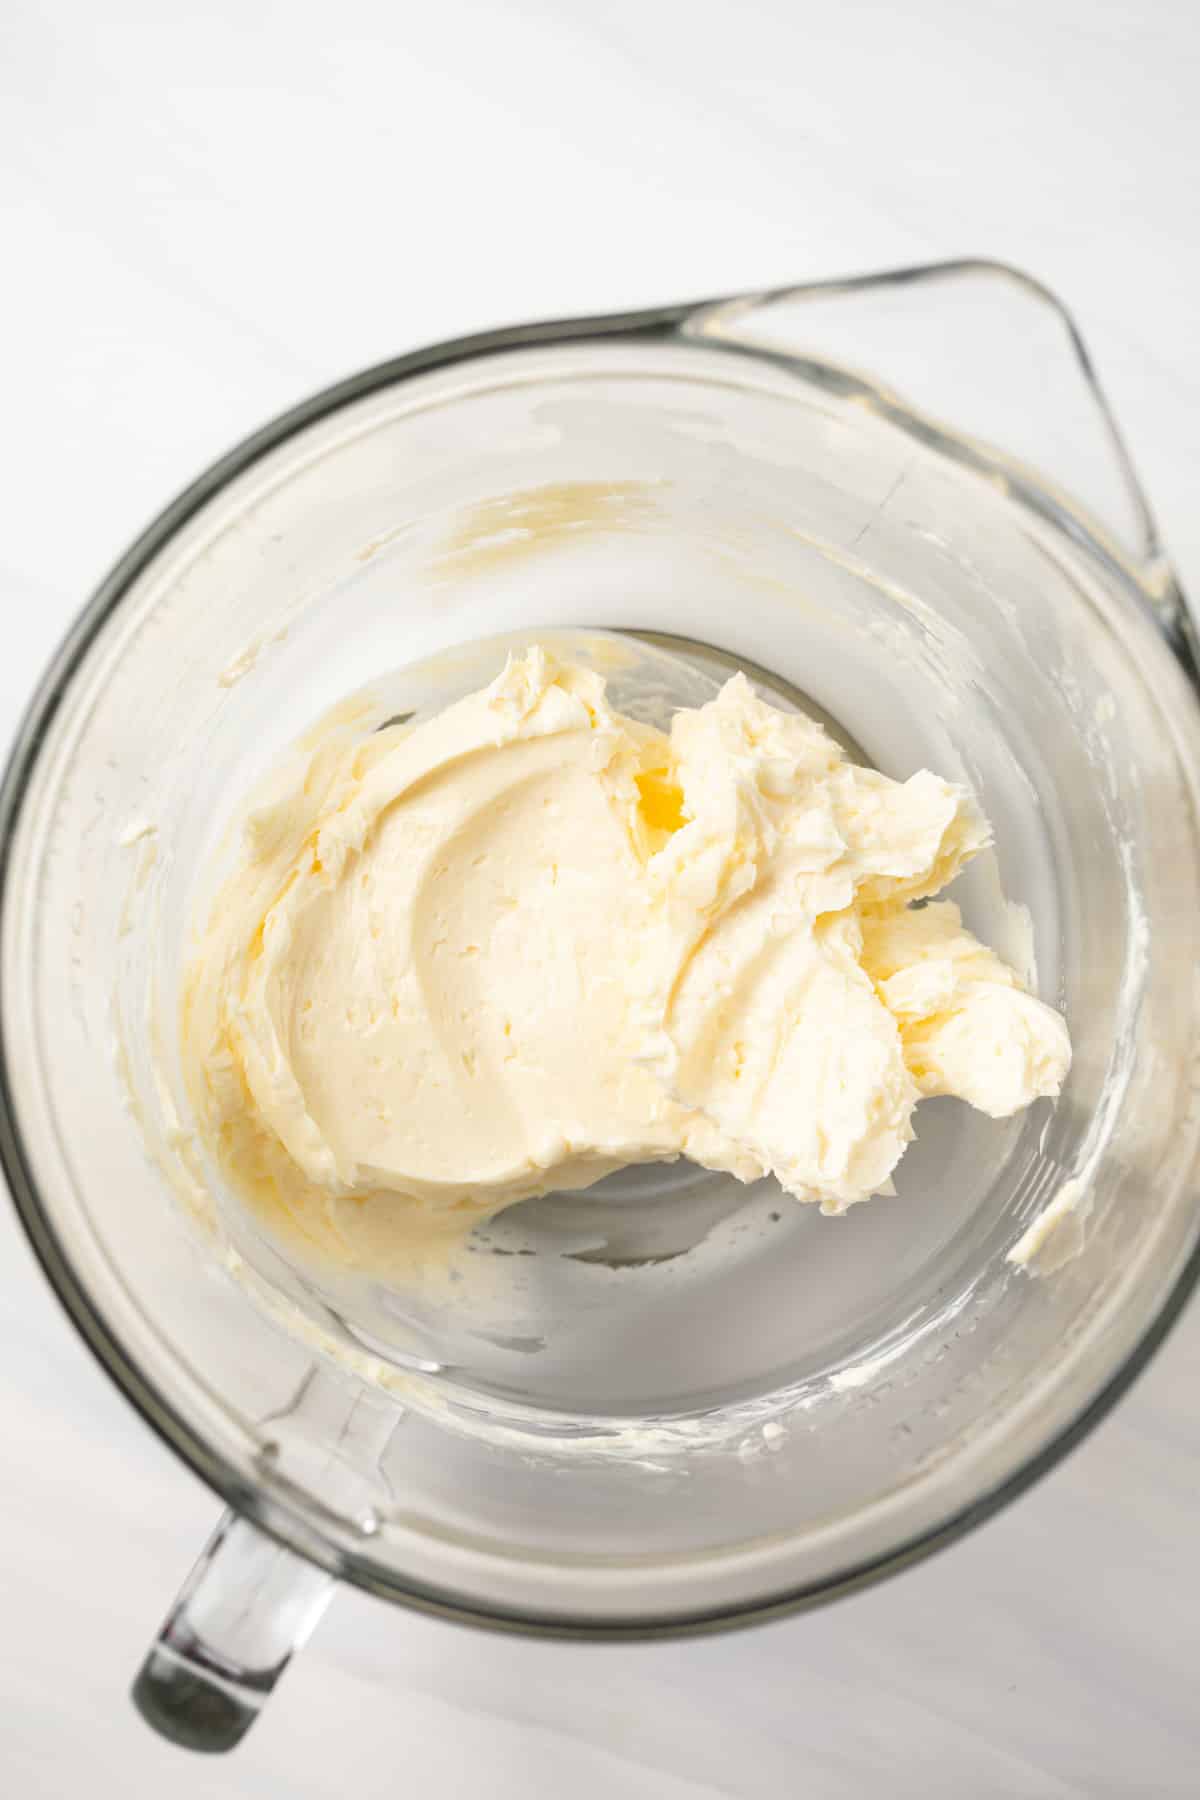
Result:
{"points": [[247, 1605], [986, 362], [250, 1601]]}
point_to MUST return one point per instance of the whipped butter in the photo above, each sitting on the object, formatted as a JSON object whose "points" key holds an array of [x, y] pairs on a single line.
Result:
{"points": [[530, 941]]}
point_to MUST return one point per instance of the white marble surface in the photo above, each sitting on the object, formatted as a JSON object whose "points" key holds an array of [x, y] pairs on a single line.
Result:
{"points": [[206, 214]]}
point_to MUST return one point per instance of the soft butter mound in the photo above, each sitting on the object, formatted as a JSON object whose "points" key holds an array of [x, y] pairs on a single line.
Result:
{"points": [[530, 941]]}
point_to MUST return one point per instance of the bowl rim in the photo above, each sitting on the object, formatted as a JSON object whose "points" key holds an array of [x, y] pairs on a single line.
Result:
{"points": [[272, 1513]]}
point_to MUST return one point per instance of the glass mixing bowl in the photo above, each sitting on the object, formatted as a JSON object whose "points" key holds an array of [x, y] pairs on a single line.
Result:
{"points": [[667, 1403]]}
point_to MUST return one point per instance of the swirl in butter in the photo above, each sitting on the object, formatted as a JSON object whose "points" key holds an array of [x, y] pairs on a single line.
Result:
{"points": [[530, 941]]}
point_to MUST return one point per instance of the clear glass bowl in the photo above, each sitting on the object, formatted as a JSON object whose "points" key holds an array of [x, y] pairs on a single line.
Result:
{"points": [[685, 1404]]}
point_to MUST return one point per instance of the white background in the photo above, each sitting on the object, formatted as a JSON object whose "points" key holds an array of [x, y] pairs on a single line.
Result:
{"points": [[207, 212]]}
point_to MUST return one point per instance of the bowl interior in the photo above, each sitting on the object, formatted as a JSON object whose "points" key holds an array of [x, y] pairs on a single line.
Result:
{"points": [[824, 1386]]}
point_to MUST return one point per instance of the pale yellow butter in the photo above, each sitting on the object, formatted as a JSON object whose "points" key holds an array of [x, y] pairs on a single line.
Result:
{"points": [[531, 941]]}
